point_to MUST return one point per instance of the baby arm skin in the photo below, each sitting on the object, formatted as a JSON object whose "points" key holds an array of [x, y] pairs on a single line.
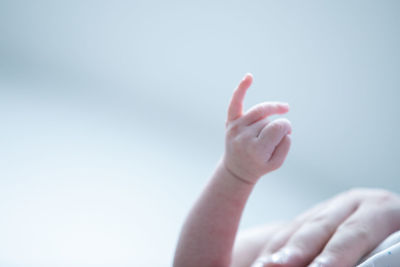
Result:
{"points": [[254, 146]]}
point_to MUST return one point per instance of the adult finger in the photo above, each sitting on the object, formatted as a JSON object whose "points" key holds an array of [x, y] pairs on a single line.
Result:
{"points": [[359, 234], [235, 109], [263, 110], [282, 236], [306, 243], [280, 239], [250, 242]]}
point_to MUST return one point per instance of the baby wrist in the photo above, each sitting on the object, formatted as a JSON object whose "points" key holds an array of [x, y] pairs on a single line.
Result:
{"points": [[241, 178]]}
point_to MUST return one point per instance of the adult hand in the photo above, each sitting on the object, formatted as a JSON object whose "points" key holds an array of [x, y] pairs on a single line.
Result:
{"points": [[335, 233]]}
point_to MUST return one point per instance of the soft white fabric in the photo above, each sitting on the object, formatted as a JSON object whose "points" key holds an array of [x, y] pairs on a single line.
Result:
{"points": [[387, 254]]}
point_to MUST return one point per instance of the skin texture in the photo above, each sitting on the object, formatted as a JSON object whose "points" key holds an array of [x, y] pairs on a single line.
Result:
{"points": [[254, 146], [337, 232]]}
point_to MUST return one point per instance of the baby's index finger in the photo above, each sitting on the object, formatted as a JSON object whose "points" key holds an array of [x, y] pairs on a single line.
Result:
{"points": [[235, 109], [264, 110]]}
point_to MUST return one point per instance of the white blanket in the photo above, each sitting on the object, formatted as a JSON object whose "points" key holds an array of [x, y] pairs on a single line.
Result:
{"points": [[387, 254]]}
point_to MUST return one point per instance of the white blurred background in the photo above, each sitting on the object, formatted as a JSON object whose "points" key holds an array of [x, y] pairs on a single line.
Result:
{"points": [[112, 116]]}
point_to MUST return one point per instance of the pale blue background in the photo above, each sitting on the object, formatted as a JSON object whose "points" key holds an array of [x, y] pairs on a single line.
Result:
{"points": [[112, 116]]}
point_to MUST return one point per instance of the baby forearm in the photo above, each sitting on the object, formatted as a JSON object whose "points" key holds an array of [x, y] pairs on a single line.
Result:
{"points": [[209, 232], [254, 146]]}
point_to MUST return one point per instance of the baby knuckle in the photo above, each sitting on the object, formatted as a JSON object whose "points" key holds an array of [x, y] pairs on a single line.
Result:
{"points": [[285, 122], [276, 127], [259, 111]]}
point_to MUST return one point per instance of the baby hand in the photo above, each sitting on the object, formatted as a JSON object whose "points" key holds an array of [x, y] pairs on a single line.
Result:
{"points": [[254, 146]]}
